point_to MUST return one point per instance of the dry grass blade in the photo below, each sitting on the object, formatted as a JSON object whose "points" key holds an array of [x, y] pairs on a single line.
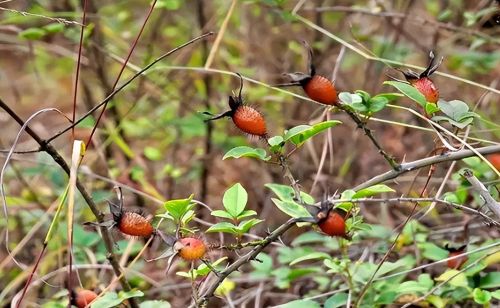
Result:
{"points": [[76, 157], [4, 167]]}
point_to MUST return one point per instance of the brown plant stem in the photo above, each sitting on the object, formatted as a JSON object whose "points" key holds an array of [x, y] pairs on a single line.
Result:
{"points": [[207, 81], [49, 149], [395, 166], [203, 302], [125, 84], [362, 293], [424, 162]]}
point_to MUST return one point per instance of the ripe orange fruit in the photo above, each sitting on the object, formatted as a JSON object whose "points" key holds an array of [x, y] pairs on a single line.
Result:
{"points": [[190, 248], [423, 83], [458, 262], [134, 224], [495, 160], [317, 88], [333, 224], [321, 89], [82, 298], [246, 118], [250, 121], [427, 87]]}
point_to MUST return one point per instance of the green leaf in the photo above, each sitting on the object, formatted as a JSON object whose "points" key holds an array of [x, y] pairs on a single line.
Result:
{"points": [[490, 280], [291, 208], [111, 299], [337, 300], [152, 153], [389, 96], [187, 217], [235, 199], [203, 269], [312, 256], [221, 213], [263, 268], [225, 227], [459, 279], [431, 108], [246, 225], [349, 98], [496, 294], [308, 238], [244, 151], [178, 208], [372, 190], [299, 134], [275, 141], [301, 303], [433, 252], [437, 301], [286, 193], [464, 123], [377, 103], [32, 34], [54, 27], [408, 91], [364, 95], [423, 284], [453, 109], [154, 304], [386, 298], [169, 4], [246, 213], [481, 296]]}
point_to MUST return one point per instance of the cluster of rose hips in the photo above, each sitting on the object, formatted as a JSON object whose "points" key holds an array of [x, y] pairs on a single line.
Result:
{"points": [[136, 224], [319, 89], [250, 121]]}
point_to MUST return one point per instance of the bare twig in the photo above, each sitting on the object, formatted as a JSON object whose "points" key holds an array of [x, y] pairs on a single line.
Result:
{"points": [[56, 19], [414, 19], [449, 279], [395, 166], [460, 207], [250, 256], [49, 149], [132, 48], [482, 191], [117, 90], [421, 163]]}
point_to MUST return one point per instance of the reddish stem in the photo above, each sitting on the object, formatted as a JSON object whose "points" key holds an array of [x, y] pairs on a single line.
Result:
{"points": [[80, 47], [28, 282], [132, 48]]}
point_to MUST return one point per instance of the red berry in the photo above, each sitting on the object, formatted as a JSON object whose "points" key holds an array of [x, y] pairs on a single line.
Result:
{"points": [[458, 262], [321, 89], [423, 83], [246, 118], [333, 224], [134, 224], [425, 86], [191, 248], [83, 298], [495, 160], [250, 121]]}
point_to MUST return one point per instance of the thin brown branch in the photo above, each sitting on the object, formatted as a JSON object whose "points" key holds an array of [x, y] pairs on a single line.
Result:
{"points": [[413, 19], [395, 166], [479, 187], [421, 163], [125, 84], [460, 207], [249, 256], [49, 149]]}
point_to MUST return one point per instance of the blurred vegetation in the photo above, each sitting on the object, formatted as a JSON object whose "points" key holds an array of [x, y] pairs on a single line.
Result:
{"points": [[154, 142]]}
